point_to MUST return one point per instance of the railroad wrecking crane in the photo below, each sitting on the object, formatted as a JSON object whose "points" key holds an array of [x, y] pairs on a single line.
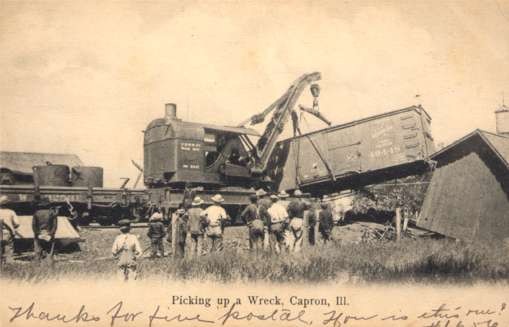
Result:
{"points": [[185, 159]]}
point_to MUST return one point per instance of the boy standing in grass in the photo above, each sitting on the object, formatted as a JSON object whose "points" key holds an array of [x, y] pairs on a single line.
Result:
{"points": [[126, 249], [156, 233]]}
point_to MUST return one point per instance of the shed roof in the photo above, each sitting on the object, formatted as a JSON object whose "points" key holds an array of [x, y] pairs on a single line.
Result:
{"points": [[24, 161], [498, 144]]}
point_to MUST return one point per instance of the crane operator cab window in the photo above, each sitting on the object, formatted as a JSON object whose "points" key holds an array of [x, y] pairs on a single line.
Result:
{"points": [[234, 157], [224, 148], [211, 157], [211, 149], [235, 152]]}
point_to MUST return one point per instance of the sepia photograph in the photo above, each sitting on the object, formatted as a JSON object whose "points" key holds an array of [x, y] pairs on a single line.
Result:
{"points": [[286, 163]]}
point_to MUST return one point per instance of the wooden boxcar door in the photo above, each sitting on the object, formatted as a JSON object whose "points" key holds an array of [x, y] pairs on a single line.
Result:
{"points": [[344, 152]]}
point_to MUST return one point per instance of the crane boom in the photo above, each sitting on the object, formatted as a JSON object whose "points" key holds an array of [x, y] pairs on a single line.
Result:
{"points": [[258, 118], [282, 110]]}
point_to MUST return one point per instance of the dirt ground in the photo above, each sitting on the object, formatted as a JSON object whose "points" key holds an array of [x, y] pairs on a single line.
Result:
{"points": [[97, 242]]}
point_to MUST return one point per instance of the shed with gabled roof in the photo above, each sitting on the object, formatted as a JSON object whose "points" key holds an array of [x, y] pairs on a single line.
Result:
{"points": [[468, 196]]}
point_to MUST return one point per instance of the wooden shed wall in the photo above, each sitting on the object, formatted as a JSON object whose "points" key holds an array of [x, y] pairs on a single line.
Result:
{"points": [[466, 198]]}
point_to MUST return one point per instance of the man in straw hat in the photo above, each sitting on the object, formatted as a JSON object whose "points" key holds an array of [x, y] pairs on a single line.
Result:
{"points": [[283, 198], [284, 201], [278, 217], [126, 248], [196, 226], [156, 233], [216, 218], [44, 226], [8, 224]]}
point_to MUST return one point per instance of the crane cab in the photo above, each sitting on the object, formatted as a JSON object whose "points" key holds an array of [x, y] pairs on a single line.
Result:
{"points": [[178, 152]]}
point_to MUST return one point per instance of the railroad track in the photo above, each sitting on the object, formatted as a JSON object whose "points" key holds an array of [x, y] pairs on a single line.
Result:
{"points": [[98, 226], [133, 225]]}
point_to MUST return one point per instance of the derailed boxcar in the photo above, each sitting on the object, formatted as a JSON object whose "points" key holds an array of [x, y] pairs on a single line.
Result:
{"points": [[377, 148]]}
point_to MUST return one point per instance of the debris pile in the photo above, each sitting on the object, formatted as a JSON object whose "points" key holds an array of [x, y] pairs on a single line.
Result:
{"points": [[370, 232]]}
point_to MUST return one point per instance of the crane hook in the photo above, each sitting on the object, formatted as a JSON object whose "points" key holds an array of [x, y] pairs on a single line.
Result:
{"points": [[315, 90]]}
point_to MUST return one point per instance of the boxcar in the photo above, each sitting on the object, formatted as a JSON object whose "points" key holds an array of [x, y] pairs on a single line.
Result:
{"points": [[390, 145]]}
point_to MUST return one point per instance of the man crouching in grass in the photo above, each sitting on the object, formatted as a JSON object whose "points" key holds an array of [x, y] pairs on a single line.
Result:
{"points": [[126, 249]]}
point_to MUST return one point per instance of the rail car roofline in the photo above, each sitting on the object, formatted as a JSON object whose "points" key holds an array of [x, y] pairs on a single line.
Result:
{"points": [[232, 129], [417, 108], [220, 128]]}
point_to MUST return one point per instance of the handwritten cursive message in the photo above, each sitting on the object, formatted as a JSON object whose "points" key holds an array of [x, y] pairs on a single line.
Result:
{"points": [[288, 310]]}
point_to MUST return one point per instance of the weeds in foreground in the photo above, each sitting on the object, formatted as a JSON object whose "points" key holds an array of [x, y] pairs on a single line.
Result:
{"points": [[422, 260]]}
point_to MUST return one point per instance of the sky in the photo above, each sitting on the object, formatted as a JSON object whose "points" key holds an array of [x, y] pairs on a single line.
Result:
{"points": [[87, 77]]}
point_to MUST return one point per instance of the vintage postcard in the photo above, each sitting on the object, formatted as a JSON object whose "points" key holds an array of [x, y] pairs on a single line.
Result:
{"points": [[242, 163]]}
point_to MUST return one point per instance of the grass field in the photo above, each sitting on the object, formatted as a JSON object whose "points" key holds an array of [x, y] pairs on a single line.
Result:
{"points": [[420, 260]]}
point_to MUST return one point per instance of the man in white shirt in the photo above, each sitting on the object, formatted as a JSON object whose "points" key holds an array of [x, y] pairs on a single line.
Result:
{"points": [[216, 216], [278, 222], [9, 224], [126, 249]]}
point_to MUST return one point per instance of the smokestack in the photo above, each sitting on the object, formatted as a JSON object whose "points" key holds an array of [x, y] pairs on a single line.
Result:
{"points": [[502, 119], [170, 111]]}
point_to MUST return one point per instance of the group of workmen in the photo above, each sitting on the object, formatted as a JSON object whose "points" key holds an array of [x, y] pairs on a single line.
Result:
{"points": [[44, 227], [274, 224], [278, 224]]}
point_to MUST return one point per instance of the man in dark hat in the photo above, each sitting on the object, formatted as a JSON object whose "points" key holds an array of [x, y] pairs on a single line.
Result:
{"points": [[126, 248], [326, 222], [296, 209], [255, 225], [311, 221], [44, 226], [196, 224], [264, 204], [180, 232]]}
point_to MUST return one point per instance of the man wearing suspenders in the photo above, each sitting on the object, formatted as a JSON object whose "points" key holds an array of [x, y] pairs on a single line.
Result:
{"points": [[126, 249]]}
